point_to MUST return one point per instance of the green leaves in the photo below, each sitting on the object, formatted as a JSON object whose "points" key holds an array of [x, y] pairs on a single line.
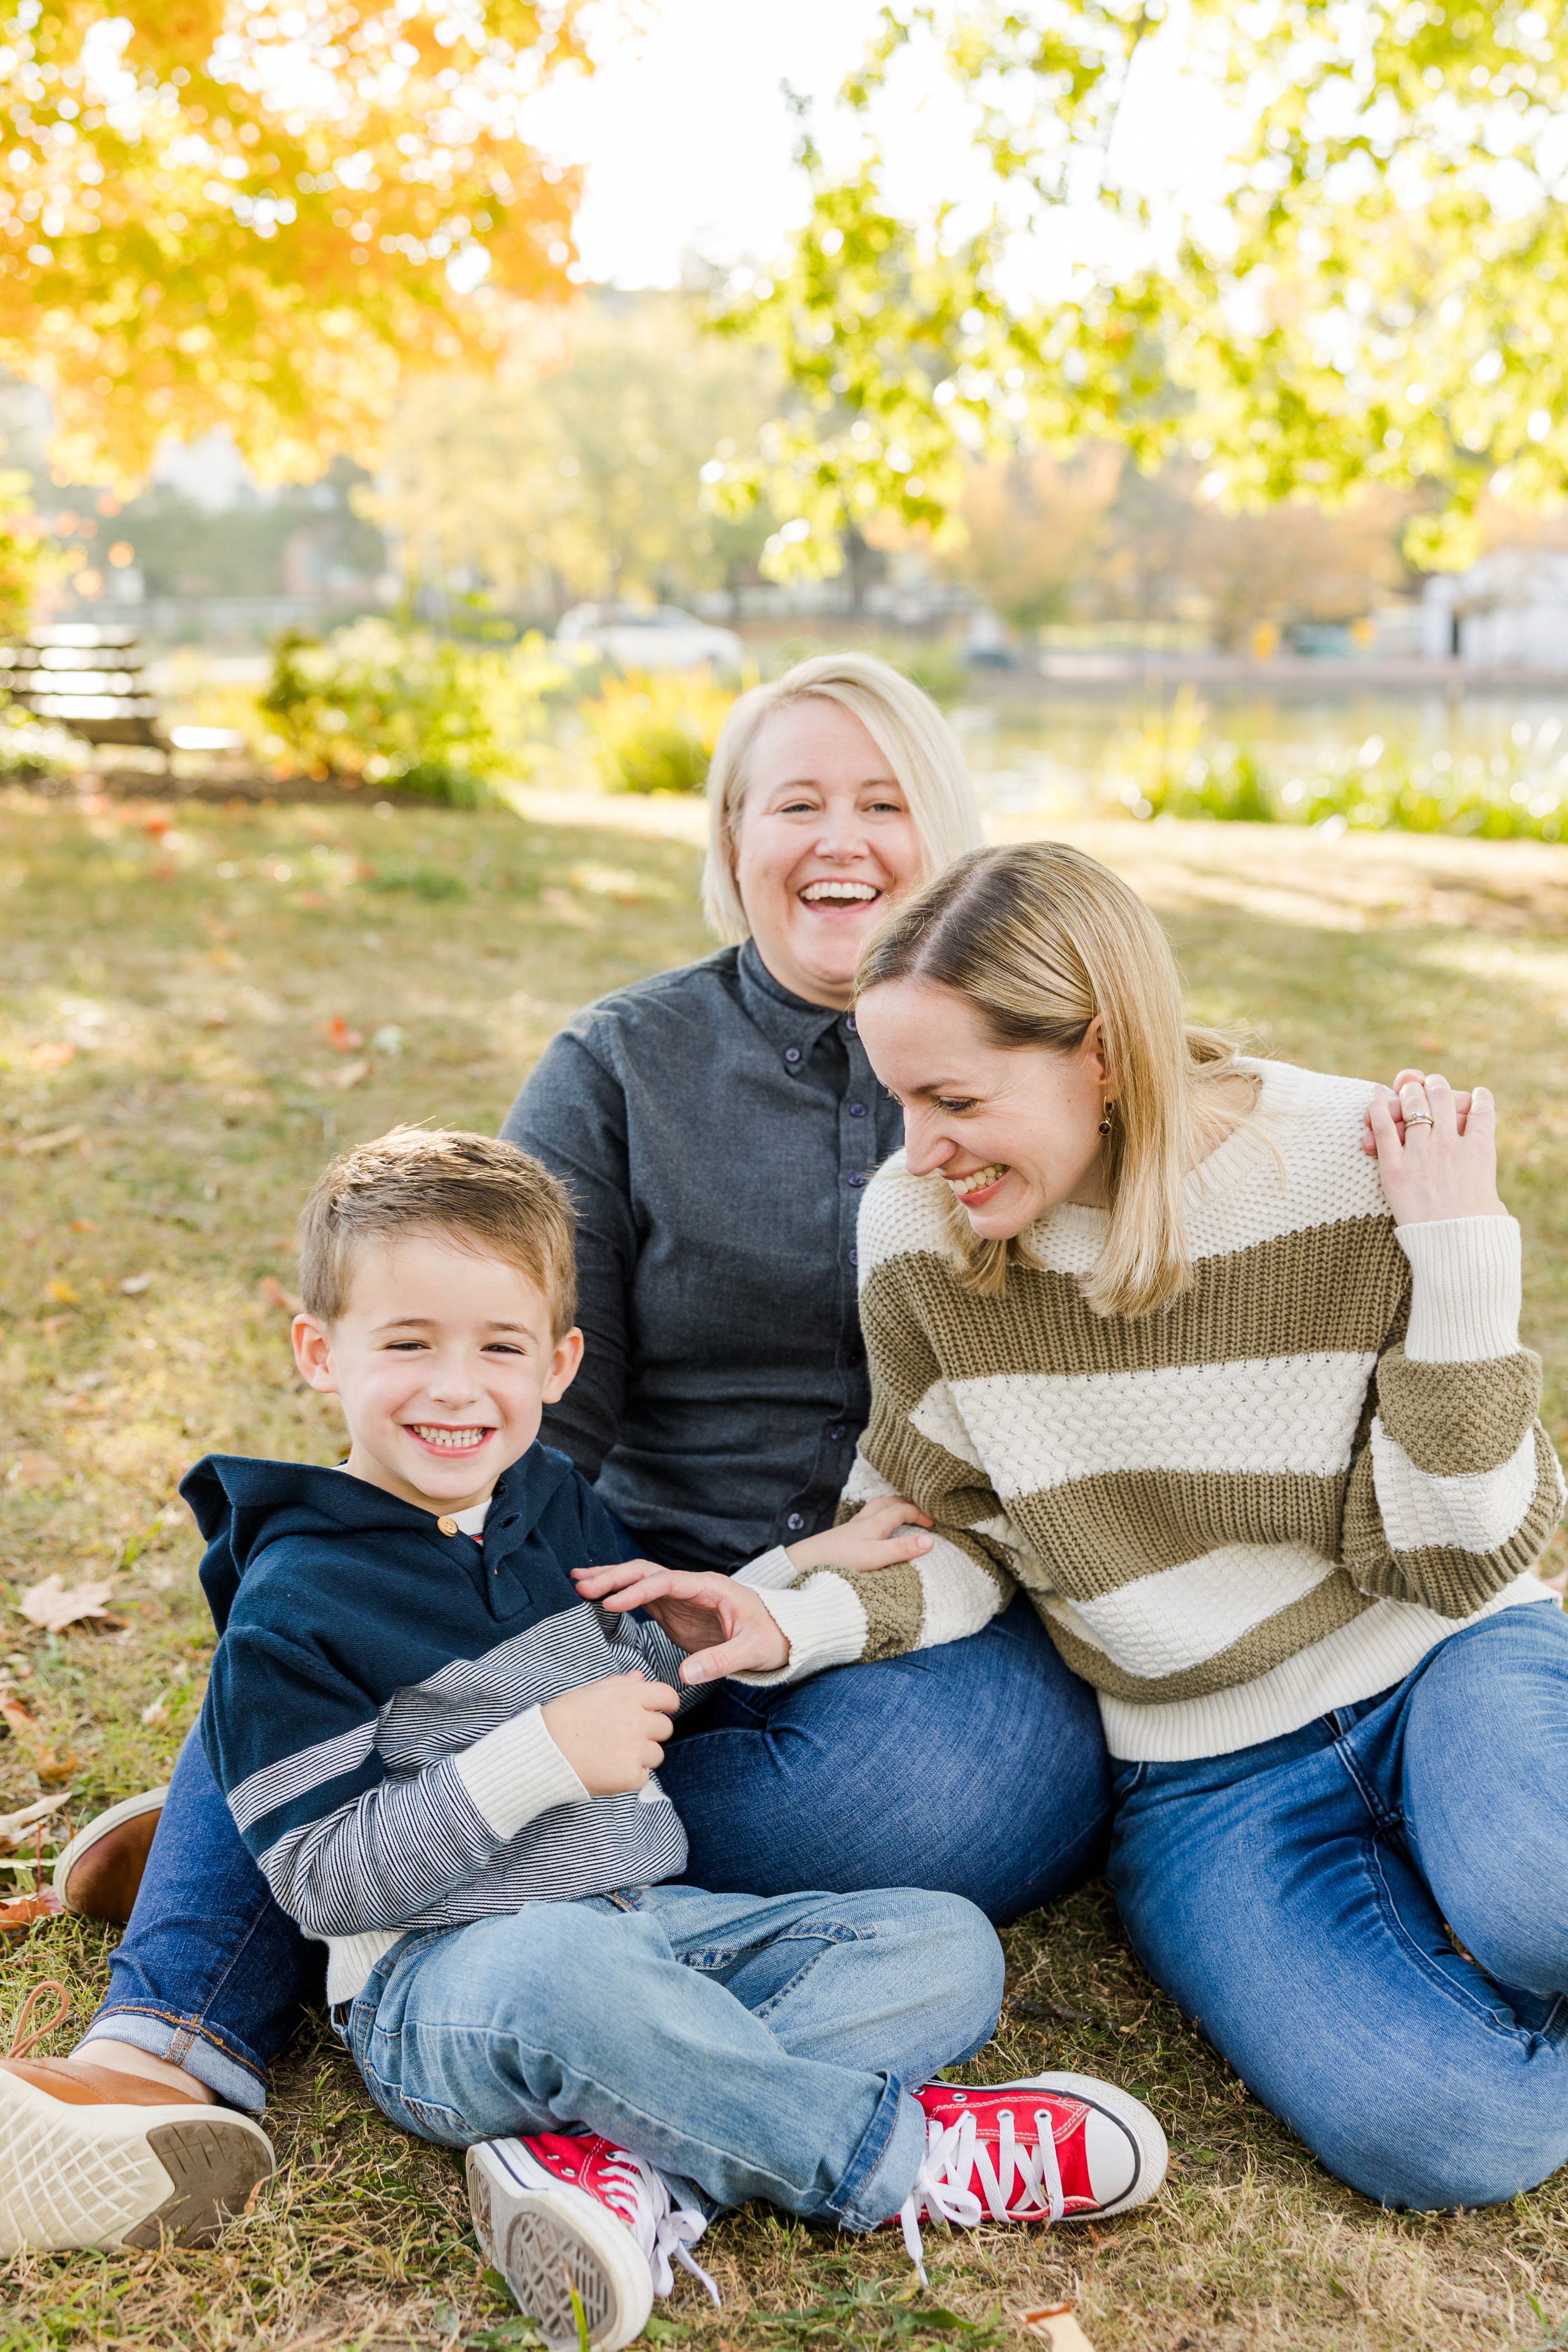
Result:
{"points": [[1385, 300]]}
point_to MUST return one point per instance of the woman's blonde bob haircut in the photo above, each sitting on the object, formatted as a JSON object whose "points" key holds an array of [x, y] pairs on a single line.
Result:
{"points": [[1040, 940], [905, 725]]}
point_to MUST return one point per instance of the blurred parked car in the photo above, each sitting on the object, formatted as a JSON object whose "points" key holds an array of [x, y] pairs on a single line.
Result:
{"points": [[649, 637]]}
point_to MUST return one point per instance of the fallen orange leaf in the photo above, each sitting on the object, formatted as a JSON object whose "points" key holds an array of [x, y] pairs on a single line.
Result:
{"points": [[274, 1295], [345, 1040], [352, 1076], [51, 1058], [23, 1911]]}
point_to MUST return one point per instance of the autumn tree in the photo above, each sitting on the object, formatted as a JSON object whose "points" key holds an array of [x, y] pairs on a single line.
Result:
{"points": [[263, 219], [1385, 300]]}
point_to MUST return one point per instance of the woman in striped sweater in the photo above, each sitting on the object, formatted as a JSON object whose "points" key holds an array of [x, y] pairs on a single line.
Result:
{"points": [[1219, 1360]]}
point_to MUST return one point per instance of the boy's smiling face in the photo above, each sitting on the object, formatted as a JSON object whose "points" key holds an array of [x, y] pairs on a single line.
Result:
{"points": [[444, 1363]]}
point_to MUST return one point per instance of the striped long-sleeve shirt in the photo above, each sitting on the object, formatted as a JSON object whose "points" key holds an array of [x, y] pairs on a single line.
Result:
{"points": [[1269, 1499], [373, 1718]]}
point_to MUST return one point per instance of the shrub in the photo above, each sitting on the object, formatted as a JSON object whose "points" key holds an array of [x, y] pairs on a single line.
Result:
{"points": [[654, 732], [379, 705]]}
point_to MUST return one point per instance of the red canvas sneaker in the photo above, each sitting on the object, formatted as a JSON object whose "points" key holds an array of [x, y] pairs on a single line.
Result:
{"points": [[556, 2208], [1051, 2147]]}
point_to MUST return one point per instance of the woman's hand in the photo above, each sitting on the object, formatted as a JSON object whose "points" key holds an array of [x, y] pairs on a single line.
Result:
{"points": [[1396, 1110], [1435, 1159], [880, 1535], [728, 1622]]}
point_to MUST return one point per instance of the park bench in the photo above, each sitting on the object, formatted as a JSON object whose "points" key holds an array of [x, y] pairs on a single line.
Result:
{"points": [[85, 677]]}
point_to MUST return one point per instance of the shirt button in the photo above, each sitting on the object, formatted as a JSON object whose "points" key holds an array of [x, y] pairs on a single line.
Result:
{"points": [[448, 1527], [857, 1110], [856, 1179], [850, 1024], [794, 1522], [836, 1431], [792, 1055], [855, 1257]]}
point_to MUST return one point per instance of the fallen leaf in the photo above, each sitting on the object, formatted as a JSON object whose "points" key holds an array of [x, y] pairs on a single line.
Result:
{"points": [[23, 1911], [274, 1295], [156, 1714], [55, 1141], [352, 1076], [84, 1225], [135, 1284], [345, 1039], [52, 1607], [61, 1292], [34, 1470], [51, 1058], [216, 1019], [15, 1826], [1057, 2325]]}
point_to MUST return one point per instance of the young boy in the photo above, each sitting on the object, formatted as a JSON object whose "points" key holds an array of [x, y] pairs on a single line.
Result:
{"points": [[442, 1757]]}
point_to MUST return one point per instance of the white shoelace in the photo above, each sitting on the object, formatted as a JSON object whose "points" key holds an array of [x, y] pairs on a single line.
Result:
{"points": [[640, 2196], [954, 2154]]}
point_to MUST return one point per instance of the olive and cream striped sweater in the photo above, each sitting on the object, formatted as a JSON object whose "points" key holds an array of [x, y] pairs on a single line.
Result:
{"points": [[1266, 1501]]}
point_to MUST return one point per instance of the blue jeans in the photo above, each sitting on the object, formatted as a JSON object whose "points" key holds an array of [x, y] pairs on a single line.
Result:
{"points": [[747, 2047], [1305, 1901], [978, 1769]]}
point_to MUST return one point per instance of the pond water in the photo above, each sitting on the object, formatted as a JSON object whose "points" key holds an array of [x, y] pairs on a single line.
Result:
{"points": [[1066, 750]]}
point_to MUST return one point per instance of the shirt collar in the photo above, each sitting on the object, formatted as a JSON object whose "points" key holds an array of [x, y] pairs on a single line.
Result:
{"points": [[783, 1018]]}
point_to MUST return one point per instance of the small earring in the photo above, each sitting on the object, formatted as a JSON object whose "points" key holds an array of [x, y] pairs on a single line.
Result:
{"points": [[1105, 1121]]}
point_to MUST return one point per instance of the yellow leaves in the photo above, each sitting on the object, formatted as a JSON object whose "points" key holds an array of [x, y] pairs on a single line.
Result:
{"points": [[53, 1770], [62, 1292]]}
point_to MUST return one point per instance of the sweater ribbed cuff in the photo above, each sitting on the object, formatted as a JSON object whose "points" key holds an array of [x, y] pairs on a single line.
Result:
{"points": [[1465, 1284], [824, 1624], [769, 1572], [516, 1772]]}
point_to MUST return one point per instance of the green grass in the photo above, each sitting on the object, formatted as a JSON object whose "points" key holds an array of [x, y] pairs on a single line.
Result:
{"points": [[195, 975]]}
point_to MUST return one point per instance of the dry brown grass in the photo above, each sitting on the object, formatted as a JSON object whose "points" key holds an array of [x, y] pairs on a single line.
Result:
{"points": [[205, 1085]]}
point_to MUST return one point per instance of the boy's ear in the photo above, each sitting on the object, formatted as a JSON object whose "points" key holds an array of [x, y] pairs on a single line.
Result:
{"points": [[563, 1365], [313, 1353]]}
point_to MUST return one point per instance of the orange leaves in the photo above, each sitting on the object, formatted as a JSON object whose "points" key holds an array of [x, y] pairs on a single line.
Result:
{"points": [[51, 1057], [344, 1039], [274, 1295], [21, 1912]]}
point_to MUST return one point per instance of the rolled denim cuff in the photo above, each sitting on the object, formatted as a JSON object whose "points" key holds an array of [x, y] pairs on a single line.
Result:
{"points": [[179, 2041], [884, 2167]]}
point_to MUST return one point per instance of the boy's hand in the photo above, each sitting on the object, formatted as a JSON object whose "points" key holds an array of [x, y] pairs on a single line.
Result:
{"points": [[727, 1621], [612, 1732], [883, 1534]]}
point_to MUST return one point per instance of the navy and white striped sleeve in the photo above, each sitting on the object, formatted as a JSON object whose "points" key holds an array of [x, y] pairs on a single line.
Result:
{"points": [[344, 1848]]}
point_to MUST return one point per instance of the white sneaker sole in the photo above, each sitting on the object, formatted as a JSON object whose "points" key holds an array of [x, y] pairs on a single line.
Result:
{"points": [[104, 2176], [129, 1809], [1150, 2153], [539, 2232]]}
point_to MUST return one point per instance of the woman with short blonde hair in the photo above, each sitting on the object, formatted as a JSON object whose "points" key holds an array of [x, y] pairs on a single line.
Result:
{"points": [[905, 725], [1219, 1360]]}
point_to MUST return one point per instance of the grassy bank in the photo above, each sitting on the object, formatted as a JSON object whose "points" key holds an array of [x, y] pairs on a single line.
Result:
{"points": [[191, 1017]]}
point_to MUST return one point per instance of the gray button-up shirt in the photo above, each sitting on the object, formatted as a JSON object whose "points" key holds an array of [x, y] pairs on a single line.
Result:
{"points": [[717, 1135]]}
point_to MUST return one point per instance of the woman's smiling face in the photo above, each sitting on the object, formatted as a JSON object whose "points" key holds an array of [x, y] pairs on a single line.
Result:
{"points": [[1012, 1129], [825, 843]]}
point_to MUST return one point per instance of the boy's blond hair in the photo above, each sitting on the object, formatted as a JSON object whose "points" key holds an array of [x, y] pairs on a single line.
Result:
{"points": [[472, 1191]]}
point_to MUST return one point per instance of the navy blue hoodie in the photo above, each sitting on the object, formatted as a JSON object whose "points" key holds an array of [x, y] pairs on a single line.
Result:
{"points": [[373, 1713]]}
